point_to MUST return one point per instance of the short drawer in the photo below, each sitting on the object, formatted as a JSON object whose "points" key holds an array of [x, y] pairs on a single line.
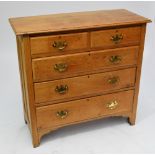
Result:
{"points": [[58, 67], [58, 44], [116, 37], [73, 88], [66, 113]]}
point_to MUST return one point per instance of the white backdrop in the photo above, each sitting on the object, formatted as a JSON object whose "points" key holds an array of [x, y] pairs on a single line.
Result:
{"points": [[112, 135]]}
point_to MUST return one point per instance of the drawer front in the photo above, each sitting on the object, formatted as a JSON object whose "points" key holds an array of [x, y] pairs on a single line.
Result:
{"points": [[74, 111], [83, 86], [59, 67], [58, 44], [116, 37]]}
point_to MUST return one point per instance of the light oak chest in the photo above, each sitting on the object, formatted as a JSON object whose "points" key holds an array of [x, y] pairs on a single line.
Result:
{"points": [[79, 67]]}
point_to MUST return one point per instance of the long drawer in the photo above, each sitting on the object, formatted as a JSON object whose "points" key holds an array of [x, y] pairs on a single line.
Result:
{"points": [[58, 67], [74, 111], [116, 37], [73, 88], [58, 44]]}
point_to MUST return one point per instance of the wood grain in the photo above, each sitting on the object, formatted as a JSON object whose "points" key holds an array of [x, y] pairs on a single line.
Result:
{"points": [[132, 117], [89, 46], [28, 87], [21, 70], [83, 85], [75, 41], [131, 36], [82, 63], [84, 109], [75, 21]]}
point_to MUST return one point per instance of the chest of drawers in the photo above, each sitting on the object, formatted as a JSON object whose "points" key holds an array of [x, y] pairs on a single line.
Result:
{"points": [[77, 67]]}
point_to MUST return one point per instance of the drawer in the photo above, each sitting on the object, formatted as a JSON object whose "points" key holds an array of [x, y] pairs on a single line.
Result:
{"points": [[116, 37], [83, 86], [61, 114], [58, 67], [58, 44]]}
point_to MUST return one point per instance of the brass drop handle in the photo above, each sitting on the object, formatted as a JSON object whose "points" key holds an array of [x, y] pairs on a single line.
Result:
{"points": [[62, 114], [115, 59], [113, 80], [62, 89], [112, 105], [60, 45], [117, 38], [62, 67]]}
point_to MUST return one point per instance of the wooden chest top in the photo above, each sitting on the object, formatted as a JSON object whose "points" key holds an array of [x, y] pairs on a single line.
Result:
{"points": [[75, 21]]}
